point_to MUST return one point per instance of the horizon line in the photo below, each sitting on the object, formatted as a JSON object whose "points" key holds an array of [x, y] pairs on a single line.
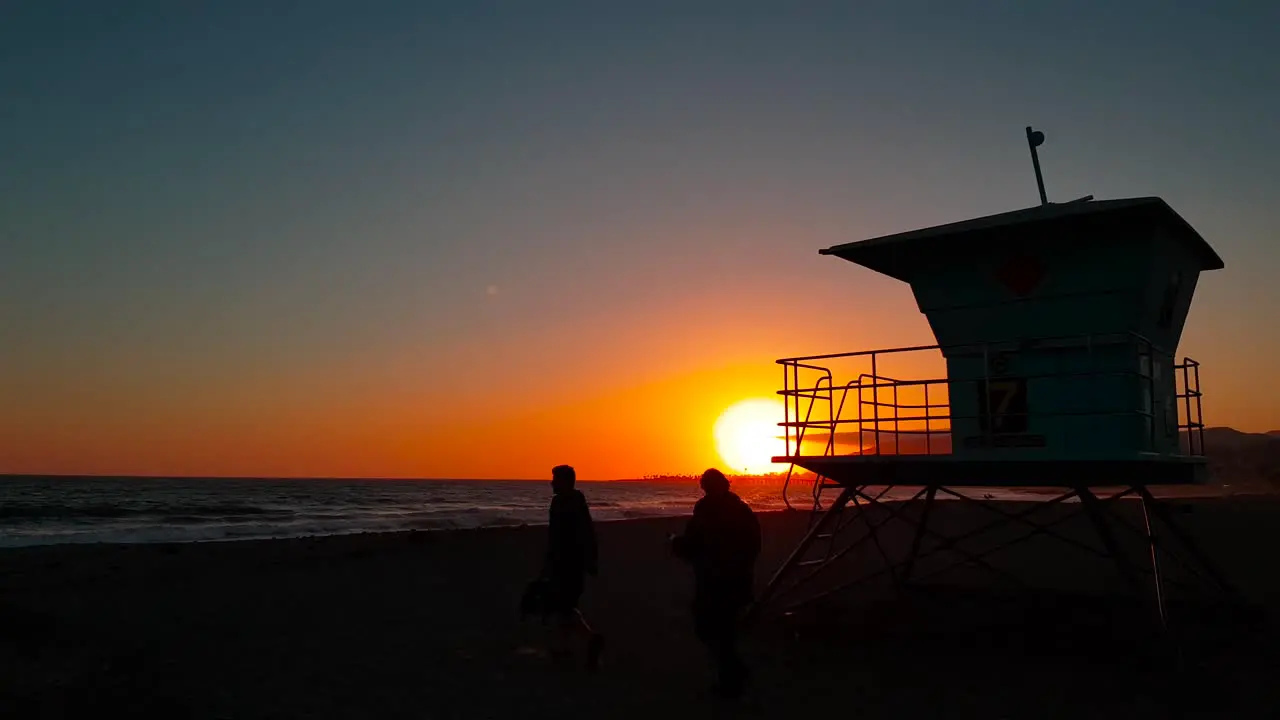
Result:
{"points": [[371, 478]]}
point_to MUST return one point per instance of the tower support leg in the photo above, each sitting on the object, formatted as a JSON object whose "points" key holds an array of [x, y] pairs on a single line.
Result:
{"points": [[1157, 577], [930, 494], [1097, 515], [873, 532], [1157, 508]]}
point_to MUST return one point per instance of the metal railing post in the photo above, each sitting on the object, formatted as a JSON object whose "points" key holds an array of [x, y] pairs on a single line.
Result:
{"points": [[928, 439], [1186, 384], [786, 411], [897, 428], [795, 410], [1200, 409], [875, 403], [832, 415]]}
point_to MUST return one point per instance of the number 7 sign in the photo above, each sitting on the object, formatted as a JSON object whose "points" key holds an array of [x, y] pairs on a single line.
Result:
{"points": [[1003, 405]]}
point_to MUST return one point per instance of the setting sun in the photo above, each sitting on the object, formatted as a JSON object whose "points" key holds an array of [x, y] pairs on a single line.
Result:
{"points": [[748, 437]]}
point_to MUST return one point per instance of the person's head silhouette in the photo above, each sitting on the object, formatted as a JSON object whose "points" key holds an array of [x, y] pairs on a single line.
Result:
{"points": [[714, 482], [563, 478]]}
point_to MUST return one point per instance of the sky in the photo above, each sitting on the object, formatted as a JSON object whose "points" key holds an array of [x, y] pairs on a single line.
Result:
{"points": [[479, 239]]}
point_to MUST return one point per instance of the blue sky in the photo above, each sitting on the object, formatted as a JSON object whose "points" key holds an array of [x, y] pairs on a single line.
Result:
{"points": [[204, 192]]}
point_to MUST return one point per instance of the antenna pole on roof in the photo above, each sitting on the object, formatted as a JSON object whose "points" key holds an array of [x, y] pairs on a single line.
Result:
{"points": [[1035, 139]]}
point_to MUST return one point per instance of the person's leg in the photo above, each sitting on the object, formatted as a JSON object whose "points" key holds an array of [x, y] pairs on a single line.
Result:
{"points": [[733, 671], [562, 605], [572, 618], [716, 624], [708, 626], [579, 623], [725, 653], [595, 642], [571, 622], [563, 631], [737, 599]]}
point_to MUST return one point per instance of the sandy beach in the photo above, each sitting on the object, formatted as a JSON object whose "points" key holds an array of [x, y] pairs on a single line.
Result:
{"points": [[425, 625]]}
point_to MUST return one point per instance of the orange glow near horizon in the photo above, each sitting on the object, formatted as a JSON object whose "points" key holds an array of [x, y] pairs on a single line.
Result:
{"points": [[657, 425], [612, 411], [634, 391]]}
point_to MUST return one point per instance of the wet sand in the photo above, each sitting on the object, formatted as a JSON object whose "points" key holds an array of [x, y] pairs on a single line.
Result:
{"points": [[425, 625]]}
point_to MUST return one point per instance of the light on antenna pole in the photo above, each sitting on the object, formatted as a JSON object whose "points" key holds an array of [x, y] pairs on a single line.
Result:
{"points": [[1035, 139]]}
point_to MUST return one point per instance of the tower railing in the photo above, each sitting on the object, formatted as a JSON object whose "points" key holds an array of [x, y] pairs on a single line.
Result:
{"points": [[878, 413], [1189, 398]]}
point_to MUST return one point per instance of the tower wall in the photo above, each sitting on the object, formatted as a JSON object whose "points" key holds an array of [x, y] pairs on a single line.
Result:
{"points": [[1048, 325]]}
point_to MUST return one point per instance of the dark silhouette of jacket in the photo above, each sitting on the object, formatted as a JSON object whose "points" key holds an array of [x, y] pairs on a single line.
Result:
{"points": [[721, 542], [571, 537]]}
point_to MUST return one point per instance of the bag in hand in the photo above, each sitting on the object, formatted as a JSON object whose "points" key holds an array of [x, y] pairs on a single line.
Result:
{"points": [[534, 600]]}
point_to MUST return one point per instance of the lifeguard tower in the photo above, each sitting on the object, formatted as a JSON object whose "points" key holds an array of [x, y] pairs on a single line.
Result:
{"points": [[1054, 367]]}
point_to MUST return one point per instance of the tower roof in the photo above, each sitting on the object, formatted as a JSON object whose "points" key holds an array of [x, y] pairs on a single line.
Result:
{"points": [[896, 255]]}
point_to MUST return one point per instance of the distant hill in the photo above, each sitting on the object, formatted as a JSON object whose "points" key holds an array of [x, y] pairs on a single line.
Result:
{"points": [[1241, 458], [1225, 440]]}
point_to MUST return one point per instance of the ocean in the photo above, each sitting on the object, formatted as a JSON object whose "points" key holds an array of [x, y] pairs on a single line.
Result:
{"points": [[51, 510]]}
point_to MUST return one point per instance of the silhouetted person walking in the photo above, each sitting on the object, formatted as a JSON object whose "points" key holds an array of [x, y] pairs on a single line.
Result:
{"points": [[721, 542], [571, 555]]}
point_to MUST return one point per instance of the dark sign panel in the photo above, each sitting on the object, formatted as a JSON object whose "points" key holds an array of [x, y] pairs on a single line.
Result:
{"points": [[1002, 406]]}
